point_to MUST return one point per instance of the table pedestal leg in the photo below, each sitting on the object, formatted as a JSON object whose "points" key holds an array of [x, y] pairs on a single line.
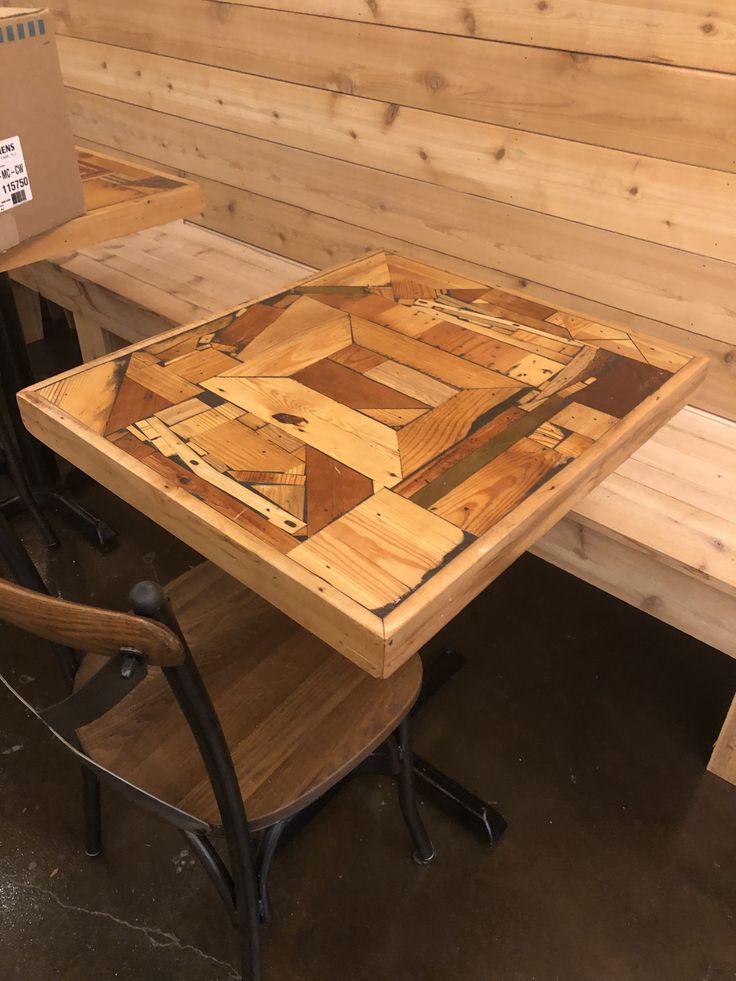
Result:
{"points": [[480, 816], [31, 465]]}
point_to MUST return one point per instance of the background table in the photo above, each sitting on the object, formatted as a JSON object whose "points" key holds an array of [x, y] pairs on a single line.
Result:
{"points": [[119, 198], [369, 449]]}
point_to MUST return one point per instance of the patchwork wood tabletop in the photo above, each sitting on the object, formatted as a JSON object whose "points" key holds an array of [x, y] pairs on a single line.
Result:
{"points": [[120, 198], [370, 448]]}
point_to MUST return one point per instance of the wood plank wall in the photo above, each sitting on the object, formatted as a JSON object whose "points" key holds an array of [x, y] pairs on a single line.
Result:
{"points": [[583, 150]]}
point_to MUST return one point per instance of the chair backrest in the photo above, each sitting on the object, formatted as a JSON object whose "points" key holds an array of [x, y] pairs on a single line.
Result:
{"points": [[150, 635], [88, 628], [131, 642]]}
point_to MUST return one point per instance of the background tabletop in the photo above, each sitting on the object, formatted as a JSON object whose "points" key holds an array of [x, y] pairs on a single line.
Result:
{"points": [[370, 448], [119, 198]]}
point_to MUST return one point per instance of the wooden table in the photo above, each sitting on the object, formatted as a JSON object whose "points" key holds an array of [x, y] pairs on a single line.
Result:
{"points": [[371, 448], [120, 198]]}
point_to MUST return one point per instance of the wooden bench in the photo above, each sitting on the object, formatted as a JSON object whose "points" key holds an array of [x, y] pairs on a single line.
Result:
{"points": [[660, 533]]}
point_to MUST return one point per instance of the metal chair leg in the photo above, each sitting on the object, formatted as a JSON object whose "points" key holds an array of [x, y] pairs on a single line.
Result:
{"points": [[250, 941], [92, 813], [266, 852], [20, 482], [148, 599], [423, 847]]}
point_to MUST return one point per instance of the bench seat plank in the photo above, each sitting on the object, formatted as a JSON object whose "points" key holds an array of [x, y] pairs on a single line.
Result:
{"points": [[638, 576], [675, 531], [682, 534]]}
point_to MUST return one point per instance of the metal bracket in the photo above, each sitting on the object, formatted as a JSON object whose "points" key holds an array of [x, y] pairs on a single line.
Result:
{"points": [[115, 679]]}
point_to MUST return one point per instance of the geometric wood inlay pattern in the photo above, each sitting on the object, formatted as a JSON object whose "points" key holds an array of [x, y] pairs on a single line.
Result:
{"points": [[375, 422]]}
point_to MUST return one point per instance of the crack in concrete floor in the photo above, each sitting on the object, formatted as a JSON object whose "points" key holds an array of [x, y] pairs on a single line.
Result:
{"points": [[150, 933]]}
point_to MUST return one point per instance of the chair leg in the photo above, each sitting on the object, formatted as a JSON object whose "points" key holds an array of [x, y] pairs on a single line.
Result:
{"points": [[92, 813], [266, 852], [250, 943], [423, 847]]}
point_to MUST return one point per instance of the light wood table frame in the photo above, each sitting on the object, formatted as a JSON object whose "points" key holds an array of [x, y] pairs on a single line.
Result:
{"points": [[371, 448]]}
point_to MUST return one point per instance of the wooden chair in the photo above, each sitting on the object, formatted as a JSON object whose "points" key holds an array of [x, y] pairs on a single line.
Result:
{"points": [[212, 709]]}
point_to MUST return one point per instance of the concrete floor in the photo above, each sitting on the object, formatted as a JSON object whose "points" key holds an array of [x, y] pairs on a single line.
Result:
{"points": [[588, 721]]}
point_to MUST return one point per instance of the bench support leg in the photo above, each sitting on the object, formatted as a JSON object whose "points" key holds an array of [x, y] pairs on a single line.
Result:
{"points": [[94, 341], [723, 759], [28, 305]]}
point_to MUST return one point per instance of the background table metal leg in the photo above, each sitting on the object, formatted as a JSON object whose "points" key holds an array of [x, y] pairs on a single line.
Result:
{"points": [[25, 496], [33, 468]]}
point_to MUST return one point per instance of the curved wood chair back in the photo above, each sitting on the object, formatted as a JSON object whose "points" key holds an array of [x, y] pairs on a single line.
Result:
{"points": [[88, 628], [131, 642], [148, 636]]}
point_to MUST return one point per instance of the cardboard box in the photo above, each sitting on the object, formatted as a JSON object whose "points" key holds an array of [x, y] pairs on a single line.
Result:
{"points": [[40, 186]]}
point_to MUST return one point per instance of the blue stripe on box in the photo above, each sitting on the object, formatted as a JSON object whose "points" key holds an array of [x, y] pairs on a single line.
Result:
{"points": [[32, 28]]}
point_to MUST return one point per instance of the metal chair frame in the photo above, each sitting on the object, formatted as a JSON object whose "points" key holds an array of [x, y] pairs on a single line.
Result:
{"points": [[243, 883]]}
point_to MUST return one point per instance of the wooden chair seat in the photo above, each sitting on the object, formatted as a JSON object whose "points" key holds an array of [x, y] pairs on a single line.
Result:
{"points": [[296, 715]]}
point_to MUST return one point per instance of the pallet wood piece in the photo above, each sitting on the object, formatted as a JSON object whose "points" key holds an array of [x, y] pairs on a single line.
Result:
{"points": [[723, 758], [673, 34], [432, 565], [94, 341], [120, 198]]}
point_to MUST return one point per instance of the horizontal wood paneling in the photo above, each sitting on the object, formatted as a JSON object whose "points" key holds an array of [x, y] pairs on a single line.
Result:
{"points": [[675, 32], [670, 203], [673, 113], [545, 144], [661, 283], [320, 241]]}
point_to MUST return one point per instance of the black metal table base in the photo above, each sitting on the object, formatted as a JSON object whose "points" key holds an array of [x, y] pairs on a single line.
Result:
{"points": [[97, 530], [477, 814]]}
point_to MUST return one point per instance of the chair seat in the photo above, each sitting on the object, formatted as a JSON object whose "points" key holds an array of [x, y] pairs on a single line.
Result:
{"points": [[297, 715]]}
